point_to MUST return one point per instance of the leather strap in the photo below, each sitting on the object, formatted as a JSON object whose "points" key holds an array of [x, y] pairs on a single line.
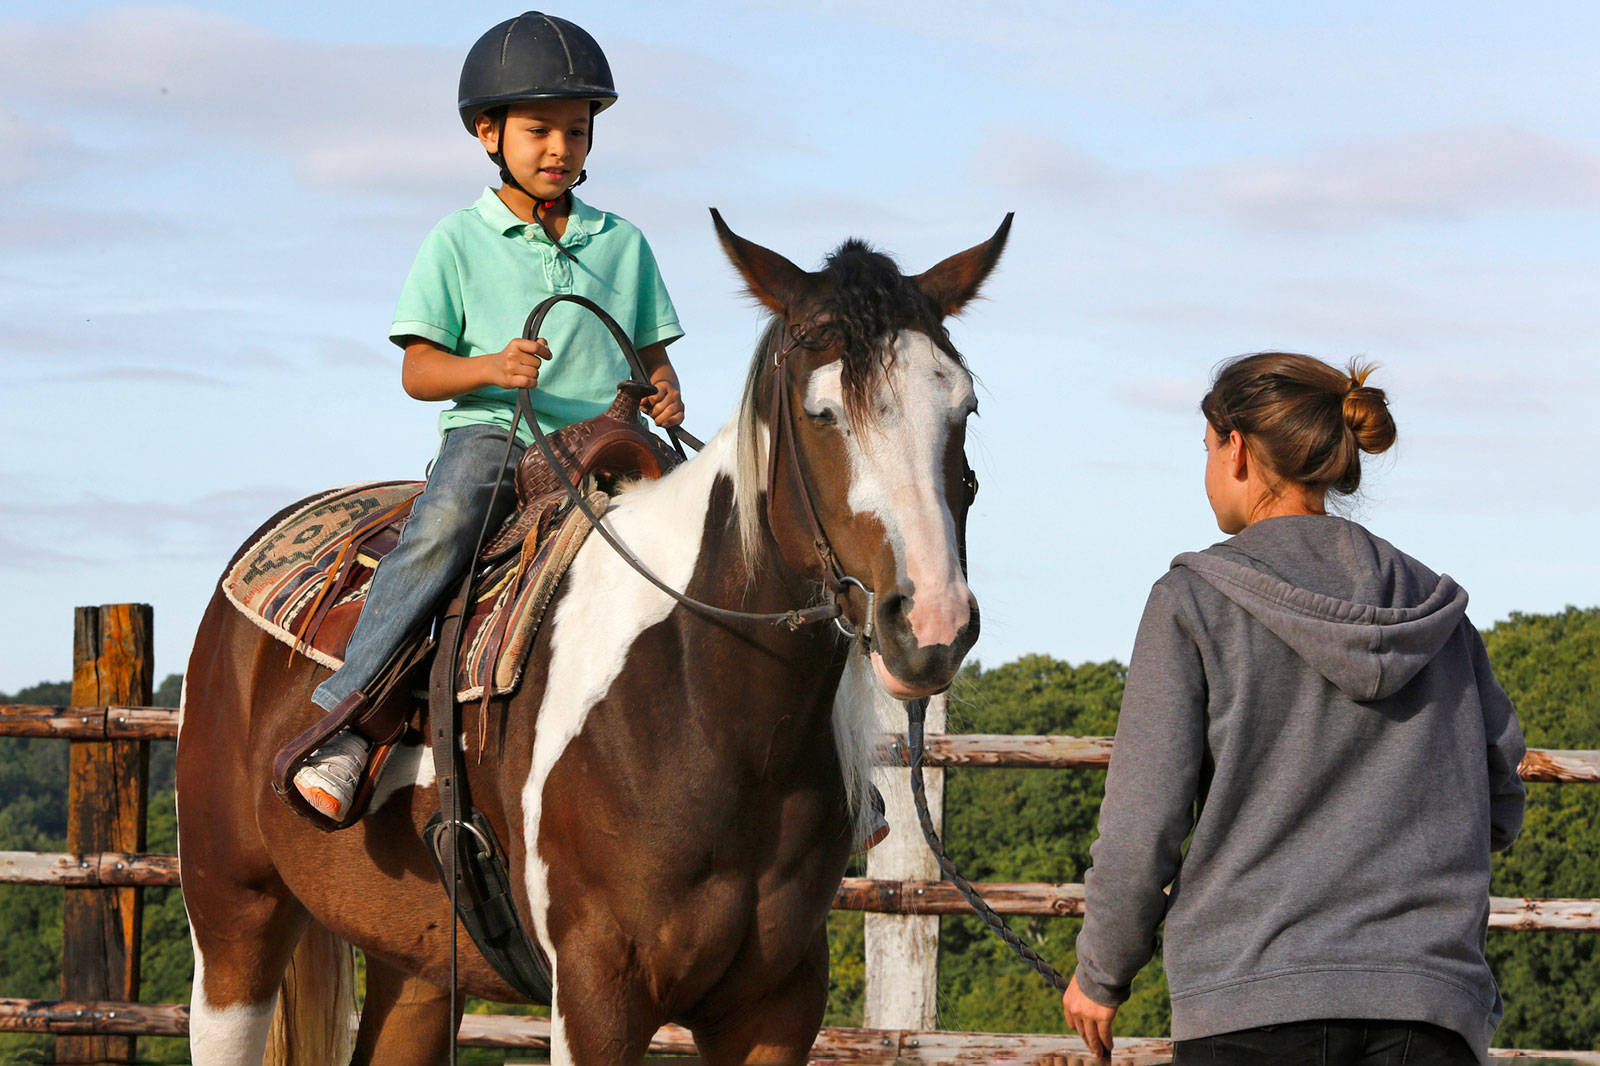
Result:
{"points": [[443, 712], [782, 433], [536, 317], [487, 911], [792, 619], [444, 723]]}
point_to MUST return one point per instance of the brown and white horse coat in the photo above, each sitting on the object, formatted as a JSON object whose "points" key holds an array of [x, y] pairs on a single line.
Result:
{"points": [[675, 792]]}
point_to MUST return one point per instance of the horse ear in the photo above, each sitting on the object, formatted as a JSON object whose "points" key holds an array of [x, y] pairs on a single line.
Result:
{"points": [[952, 283], [771, 278]]}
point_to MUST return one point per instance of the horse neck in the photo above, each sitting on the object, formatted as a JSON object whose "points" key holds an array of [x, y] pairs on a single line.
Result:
{"points": [[692, 511]]}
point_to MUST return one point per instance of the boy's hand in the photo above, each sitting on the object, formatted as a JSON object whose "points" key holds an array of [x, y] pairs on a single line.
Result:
{"points": [[1089, 1019], [665, 408], [517, 365]]}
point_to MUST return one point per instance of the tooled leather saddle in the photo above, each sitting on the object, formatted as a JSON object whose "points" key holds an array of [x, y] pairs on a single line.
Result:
{"points": [[595, 455]]}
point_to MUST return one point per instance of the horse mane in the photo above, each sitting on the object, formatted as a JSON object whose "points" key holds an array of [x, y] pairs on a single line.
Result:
{"points": [[866, 302]]}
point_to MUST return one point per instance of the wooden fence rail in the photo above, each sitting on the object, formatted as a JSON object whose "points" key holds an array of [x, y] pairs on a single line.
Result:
{"points": [[993, 750], [873, 895], [836, 1045], [110, 727]]}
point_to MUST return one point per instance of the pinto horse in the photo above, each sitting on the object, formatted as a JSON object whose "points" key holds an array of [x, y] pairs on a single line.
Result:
{"points": [[677, 793]]}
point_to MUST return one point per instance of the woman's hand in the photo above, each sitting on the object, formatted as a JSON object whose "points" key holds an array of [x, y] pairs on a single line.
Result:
{"points": [[517, 365], [1089, 1019], [665, 408]]}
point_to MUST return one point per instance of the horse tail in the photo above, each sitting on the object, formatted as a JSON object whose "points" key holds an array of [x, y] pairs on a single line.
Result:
{"points": [[312, 1024]]}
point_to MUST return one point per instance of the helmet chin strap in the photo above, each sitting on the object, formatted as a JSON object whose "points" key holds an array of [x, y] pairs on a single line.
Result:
{"points": [[498, 158]]}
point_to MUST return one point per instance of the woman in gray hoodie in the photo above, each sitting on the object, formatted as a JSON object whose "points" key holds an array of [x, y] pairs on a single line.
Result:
{"points": [[1312, 711]]}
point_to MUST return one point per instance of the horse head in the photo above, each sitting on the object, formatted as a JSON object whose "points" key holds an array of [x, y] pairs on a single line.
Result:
{"points": [[854, 428]]}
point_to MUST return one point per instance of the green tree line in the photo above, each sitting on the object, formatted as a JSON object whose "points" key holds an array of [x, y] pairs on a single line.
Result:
{"points": [[1002, 825]]}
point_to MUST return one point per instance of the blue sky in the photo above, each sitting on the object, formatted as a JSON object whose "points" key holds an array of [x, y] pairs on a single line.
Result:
{"points": [[206, 211]]}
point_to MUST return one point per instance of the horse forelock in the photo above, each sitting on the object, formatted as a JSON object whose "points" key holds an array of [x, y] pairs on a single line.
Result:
{"points": [[864, 306]]}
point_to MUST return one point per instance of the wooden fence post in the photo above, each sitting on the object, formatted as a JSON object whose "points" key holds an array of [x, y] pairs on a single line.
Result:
{"points": [[902, 979], [112, 657]]}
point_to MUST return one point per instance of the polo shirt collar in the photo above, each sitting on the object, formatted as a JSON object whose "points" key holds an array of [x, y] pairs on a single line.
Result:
{"points": [[583, 221]]}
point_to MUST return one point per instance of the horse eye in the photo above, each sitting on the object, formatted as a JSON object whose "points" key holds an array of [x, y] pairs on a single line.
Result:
{"points": [[823, 417]]}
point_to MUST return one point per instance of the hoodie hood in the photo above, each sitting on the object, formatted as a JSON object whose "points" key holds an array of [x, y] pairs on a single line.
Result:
{"points": [[1361, 613]]}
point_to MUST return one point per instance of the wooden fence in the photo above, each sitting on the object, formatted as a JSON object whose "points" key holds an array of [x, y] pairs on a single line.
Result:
{"points": [[110, 726]]}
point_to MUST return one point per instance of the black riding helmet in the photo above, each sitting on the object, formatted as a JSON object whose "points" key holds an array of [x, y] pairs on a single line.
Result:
{"points": [[533, 57]]}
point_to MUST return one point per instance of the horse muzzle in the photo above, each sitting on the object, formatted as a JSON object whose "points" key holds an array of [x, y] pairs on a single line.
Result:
{"points": [[920, 646]]}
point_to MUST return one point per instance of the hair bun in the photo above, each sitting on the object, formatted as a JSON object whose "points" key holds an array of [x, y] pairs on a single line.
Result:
{"points": [[1305, 421], [1366, 411]]}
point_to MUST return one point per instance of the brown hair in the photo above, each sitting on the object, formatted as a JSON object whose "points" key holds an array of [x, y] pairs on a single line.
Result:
{"points": [[1305, 420]]}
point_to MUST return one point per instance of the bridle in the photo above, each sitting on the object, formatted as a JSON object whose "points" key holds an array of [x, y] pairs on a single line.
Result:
{"points": [[444, 711], [834, 579], [444, 721], [780, 432]]}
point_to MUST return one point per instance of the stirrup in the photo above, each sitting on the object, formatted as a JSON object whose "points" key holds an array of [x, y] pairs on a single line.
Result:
{"points": [[331, 775], [293, 755]]}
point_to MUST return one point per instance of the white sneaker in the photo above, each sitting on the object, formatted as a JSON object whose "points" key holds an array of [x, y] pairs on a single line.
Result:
{"points": [[328, 778]]}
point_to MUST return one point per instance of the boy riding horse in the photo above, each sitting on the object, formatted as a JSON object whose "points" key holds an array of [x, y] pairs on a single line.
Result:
{"points": [[530, 90]]}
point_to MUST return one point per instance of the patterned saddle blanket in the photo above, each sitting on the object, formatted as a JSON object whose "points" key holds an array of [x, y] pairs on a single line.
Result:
{"points": [[305, 580]]}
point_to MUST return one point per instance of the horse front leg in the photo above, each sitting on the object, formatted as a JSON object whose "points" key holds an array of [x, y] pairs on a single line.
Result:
{"points": [[601, 1015], [778, 1028]]}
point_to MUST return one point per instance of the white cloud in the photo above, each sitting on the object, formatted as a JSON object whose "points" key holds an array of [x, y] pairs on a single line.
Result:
{"points": [[98, 529], [1024, 158], [1455, 172], [1553, 397], [364, 117], [1446, 174], [201, 77], [27, 553], [1394, 310], [135, 375], [30, 151], [29, 230], [1171, 396]]}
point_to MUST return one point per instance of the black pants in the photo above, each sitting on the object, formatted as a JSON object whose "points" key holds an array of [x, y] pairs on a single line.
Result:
{"points": [[1329, 1043]]}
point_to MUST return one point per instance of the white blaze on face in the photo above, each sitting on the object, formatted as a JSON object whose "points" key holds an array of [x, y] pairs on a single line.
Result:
{"points": [[897, 475]]}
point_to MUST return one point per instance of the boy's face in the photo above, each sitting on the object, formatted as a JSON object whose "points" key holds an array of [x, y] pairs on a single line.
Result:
{"points": [[546, 142]]}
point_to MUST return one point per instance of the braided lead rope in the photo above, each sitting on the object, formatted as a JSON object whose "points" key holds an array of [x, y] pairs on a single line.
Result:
{"points": [[916, 714]]}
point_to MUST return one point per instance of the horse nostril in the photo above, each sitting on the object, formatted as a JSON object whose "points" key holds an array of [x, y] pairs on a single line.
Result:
{"points": [[930, 622], [892, 607]]}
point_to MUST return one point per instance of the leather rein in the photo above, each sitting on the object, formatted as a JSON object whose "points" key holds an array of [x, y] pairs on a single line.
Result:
{"points": [[515, 950], [480, 868], [780, 433]]}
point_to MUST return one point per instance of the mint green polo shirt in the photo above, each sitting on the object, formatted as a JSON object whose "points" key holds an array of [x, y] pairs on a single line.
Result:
{"points": [[481, 271]]}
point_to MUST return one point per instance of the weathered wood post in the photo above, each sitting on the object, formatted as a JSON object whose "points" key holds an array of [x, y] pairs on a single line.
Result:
{"points": [[903, 949], [112, 658]]}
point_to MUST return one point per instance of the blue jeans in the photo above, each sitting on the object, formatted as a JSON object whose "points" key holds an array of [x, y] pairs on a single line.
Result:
{"points": [[434, 551], [1329, 1043]]}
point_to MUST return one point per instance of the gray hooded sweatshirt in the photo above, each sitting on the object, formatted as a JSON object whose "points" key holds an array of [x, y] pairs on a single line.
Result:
{"points": [[1311, 708]]}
